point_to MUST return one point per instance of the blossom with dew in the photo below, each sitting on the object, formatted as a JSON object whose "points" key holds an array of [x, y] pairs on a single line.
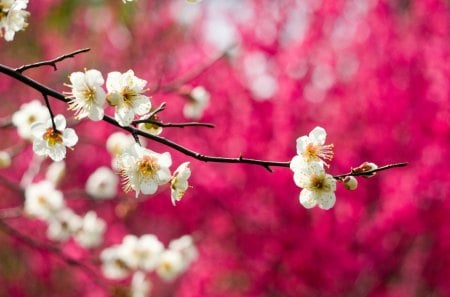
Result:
{"points": [[179, 182], [312, 148], [141, 252], [113, 263], [56, 172], [5, 159], [29, 113], [185, 245], [42, 200], [87, 97], [102, 183], [90, 233], [12, 17], [63, 225], [318, 186], [143, 170], [50, 142], [170, 265], [140, 286], [198, 100], [151, 128], [125, 94]]}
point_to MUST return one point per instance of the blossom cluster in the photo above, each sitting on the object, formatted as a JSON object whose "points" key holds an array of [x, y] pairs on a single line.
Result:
{"points": [[44, 202], [12, 17], [146, 254]]}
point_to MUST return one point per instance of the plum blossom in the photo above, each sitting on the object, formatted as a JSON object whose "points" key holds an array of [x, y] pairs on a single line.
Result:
{"points": [[150, 127], [198, 101], [87, 97], [179, 183], [113, 263], [50, 142], [90, 233], [141, 252], [12, 17], [185, 245], [170, 265], [118, 142], [318, 186], [125, 94], [143, 170], [312, 148], [42, 200], [62, 226], [29, 113], [102, 183]]}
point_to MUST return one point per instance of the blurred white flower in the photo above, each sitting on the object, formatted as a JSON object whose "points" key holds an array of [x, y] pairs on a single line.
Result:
{"points": [[144, 170], [87, 97], [50, 142], [318, 186], [113, 263], [12, 17], [102, 183], [186, 247], [198, 101], [179, 182], [170, 265], [63, 225], [29, 113], [55, 172], [141, 253], [140, 286], [5, 159], [118, 142], [91, 230], [312, 148], [125, 94], [42, 200]]}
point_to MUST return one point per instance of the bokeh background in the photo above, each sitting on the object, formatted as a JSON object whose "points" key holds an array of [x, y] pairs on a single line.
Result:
{"points": [[374, 73]]}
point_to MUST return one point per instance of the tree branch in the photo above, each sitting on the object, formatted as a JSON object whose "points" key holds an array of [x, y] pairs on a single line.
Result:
{"points": [[52, 62], [370, 172]]}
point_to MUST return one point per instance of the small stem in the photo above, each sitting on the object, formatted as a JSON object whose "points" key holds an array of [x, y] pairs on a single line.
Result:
{"points": [[158, 110], [53, 61], [52, 117], [370, 172], [175, 125]]}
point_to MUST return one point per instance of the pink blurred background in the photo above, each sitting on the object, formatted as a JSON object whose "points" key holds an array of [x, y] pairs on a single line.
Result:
{"points": [[374, 74]]}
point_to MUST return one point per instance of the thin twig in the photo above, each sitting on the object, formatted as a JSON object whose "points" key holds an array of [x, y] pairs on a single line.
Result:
{"points": [[11, 212], [370, 172], [52, 62], [175, 125]]}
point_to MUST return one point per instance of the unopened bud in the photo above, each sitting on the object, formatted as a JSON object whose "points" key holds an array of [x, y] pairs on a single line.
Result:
{"points": [[364, 167], [350, 182], [5, 159]]}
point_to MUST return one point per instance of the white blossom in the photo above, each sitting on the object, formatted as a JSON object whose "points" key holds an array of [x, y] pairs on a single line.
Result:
{"points": [[50, 142], [186, 247], [312, 148], [63, 225], [179, 182], [140, 286], [29, 113], [91, 231], [118, 142], [42, 200], [113, 263], [198, 101], [150, 127], [318, 186], [144, 170], [12, 17], [5, 159], [125, 94], [141, 253], [87, 97], [170, 265], [102, 183]]}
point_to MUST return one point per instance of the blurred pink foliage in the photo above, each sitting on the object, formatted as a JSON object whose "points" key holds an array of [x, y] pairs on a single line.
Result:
{"points": [[374, 74]]}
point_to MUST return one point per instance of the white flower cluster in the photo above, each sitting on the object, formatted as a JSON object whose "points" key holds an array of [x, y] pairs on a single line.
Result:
{"points": [[123, 92], [12, 17], [309, 173], [144, 170], [44, 202], [145, 254]]}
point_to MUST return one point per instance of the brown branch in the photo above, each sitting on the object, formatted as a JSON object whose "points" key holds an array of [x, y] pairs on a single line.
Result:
{"points": [[52, 62], [370, 172], [175, 125]]}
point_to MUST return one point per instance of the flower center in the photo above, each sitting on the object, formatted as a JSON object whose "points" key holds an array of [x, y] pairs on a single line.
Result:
{"points": [[316, 151], [317, 183], [148, 166], [128, 95], [52, 137], [89, 94]]}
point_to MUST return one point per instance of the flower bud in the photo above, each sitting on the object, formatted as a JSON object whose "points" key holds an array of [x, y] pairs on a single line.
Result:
{"points": [[5, 159], [350, 182], [366, 166]]}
